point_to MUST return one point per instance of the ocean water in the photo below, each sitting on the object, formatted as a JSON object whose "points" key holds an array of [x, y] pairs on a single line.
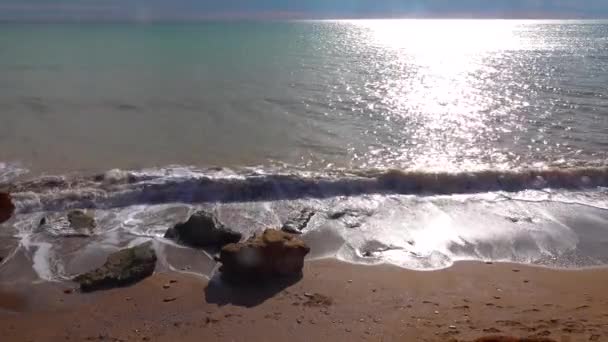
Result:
{"points": [[414, 142]]}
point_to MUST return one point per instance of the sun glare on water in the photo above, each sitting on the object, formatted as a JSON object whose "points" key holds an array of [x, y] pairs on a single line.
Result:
{"points": [[437, 82]]}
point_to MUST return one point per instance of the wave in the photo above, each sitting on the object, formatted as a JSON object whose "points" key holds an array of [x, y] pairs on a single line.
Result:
{"points": [[119, 188]]}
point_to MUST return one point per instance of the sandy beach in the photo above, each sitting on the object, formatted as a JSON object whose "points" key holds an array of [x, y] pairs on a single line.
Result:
{"points": [[334, 301]]}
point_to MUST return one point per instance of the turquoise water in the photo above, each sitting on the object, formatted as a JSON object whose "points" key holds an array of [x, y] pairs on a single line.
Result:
{"points": [[429, 94]]}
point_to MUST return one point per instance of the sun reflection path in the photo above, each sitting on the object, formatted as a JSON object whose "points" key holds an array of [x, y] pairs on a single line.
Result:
{"points": [[437, 90]]}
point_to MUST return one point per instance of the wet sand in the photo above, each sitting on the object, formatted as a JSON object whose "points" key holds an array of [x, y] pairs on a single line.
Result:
{"points": [[334, 301]]}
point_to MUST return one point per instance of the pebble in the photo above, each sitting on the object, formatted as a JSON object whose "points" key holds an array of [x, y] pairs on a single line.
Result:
{"points": [[169, 299], [452, 327], [436, 312], [299, 321], [166, 286], [350, 281]]}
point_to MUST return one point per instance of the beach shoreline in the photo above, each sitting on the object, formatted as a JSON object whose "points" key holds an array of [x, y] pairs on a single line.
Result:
{"points": [[333, 301]]}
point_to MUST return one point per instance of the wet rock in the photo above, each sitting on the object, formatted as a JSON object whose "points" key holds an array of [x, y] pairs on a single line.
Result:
{"points": [[7, 208], [337, 215], [203, 230], [80, 219], [265, 256], [122, 268], [296, 224]]}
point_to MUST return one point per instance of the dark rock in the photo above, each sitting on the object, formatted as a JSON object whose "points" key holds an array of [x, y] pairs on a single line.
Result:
{"points": [[203, 230], [337, 215], [122, 268], [296, 224], [268, 255], [80, 219], [7, 208]]}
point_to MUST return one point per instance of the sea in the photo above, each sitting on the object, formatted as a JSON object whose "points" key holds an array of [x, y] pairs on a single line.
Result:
{"points": [[416, 143]]}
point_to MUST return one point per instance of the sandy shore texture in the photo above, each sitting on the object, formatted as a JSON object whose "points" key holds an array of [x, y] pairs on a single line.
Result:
{"points": [[334, 301]]}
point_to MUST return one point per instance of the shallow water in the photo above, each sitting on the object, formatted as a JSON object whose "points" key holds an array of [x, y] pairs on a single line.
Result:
{"points": [[414, 142], [408, 94]]}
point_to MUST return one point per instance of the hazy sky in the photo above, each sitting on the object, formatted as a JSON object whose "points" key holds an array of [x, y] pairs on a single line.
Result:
{"points": [[192, 9]]}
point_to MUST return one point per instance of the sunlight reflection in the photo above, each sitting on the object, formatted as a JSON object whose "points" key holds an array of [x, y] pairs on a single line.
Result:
{"points": [[435, 81]]}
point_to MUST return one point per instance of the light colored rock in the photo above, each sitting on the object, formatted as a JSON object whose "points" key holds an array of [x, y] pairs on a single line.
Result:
{"points": [[271, 254]]}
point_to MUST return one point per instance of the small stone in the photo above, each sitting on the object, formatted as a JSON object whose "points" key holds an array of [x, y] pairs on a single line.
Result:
{"points": [[128, 299], [362, 320], [516, 270], [166, 286], [309, 295], [299, 321], [172, 281], [436, 312], [348, 330], [169, 299], [526, 281], [350, 281], [80, 219], [452, 327], [298, 222]]}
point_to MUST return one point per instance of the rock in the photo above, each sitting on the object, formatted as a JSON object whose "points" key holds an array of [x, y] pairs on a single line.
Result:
{"points": [[271, 254], [203, 230], [122, 268], [80, 219], [296, 224], [7, 208]]}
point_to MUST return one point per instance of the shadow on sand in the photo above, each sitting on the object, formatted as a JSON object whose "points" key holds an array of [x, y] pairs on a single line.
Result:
{"points": [[247, 294]]}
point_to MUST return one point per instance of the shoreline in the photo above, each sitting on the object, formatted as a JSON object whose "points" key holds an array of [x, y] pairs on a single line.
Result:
{"points": [[333, 301]]}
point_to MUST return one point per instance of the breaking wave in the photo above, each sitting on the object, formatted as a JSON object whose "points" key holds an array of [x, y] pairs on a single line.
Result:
{"points": [[119, 188]]}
